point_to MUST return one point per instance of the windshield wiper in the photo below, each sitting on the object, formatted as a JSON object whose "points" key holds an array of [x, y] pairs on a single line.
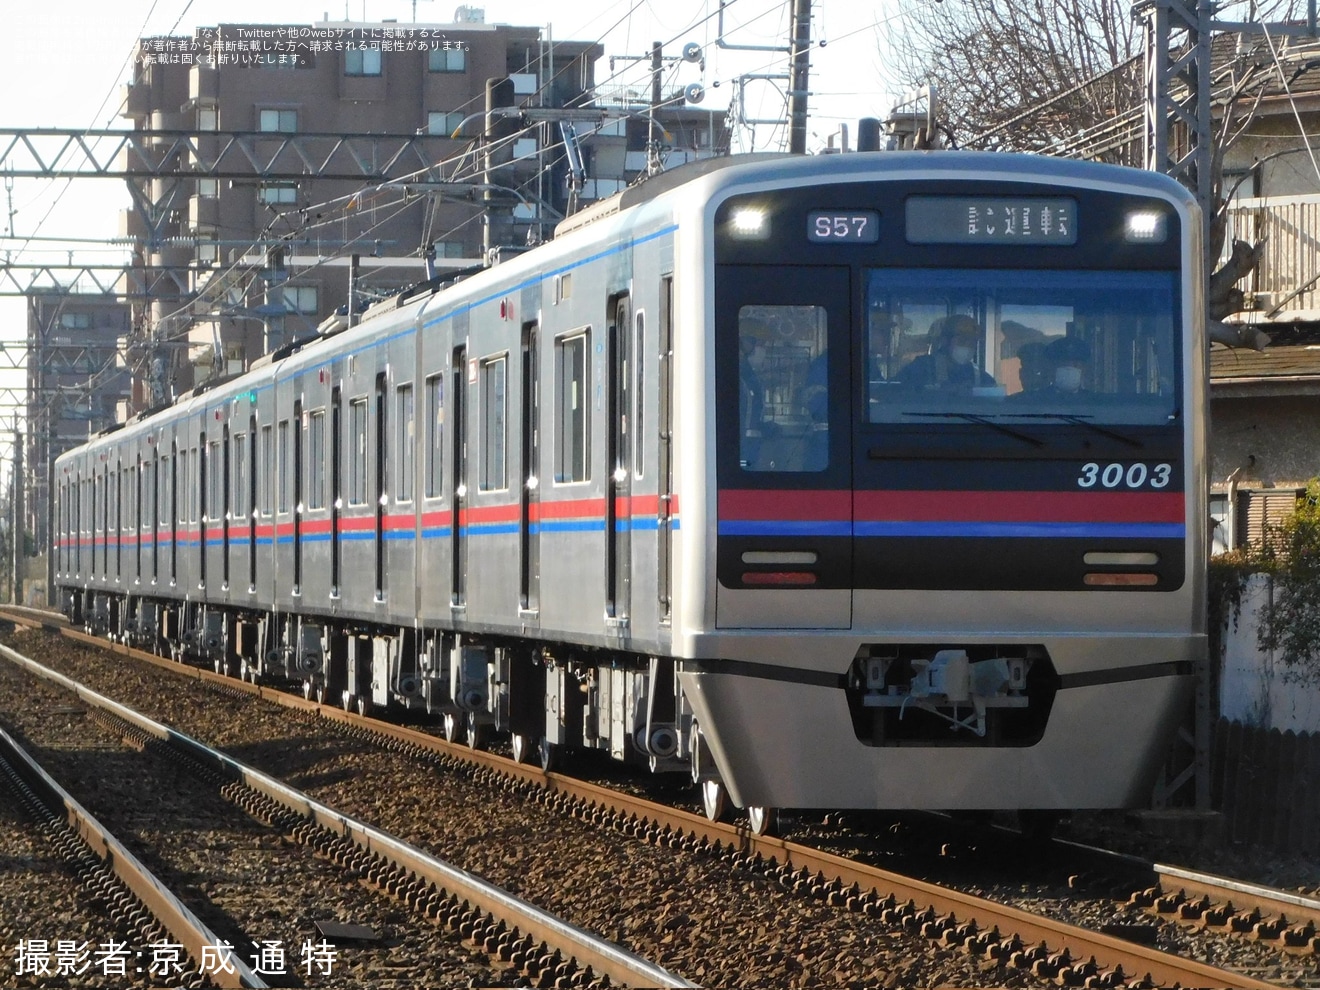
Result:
{"points": [[1081, 421], [983, 421]]}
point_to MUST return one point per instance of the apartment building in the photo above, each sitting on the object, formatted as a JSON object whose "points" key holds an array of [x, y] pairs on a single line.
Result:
{"points": [[77, 382], [284, 167], [292, 184]]}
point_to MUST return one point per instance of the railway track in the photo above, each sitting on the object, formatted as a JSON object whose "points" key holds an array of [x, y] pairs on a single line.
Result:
{"points": [[140, 909], [523, 942], [1209, 901], [1004, 939]]}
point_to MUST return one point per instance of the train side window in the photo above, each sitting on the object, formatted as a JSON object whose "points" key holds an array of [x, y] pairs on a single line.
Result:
{"points": [[494, 382], [783, 395], [573, 420], [164, 472], [238, 498], [149, 492], [407, 441], [639, 363], [357, 447], [182, 469], [215, 477], [282, 466], [435, 430], [195, 483], [316, 460], [266, 469]]}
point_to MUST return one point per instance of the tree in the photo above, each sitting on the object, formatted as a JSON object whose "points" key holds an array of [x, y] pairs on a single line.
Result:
{"points": [[1066, 77], [1021, 61]]}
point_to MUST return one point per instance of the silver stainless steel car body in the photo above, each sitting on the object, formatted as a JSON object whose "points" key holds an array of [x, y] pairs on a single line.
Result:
{"points": [[518, 498]]}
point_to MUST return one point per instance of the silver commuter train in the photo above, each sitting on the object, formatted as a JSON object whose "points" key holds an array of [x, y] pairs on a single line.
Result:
{"points": [[768, 469]]}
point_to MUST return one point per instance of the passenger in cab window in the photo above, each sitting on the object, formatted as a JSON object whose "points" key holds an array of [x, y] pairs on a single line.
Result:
{"points": [[1070, 357], [951, 362], [755, 426], [1034, 369]]}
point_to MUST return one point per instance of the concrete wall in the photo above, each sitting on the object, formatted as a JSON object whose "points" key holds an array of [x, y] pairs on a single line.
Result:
{"points": [[1274, 440], [1256, 687]]}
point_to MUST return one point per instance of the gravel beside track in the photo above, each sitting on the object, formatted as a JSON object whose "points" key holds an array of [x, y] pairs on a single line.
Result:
{"points": [[695, 915], [1055, 882], [691, 914], [244, 879], [41, 900]]}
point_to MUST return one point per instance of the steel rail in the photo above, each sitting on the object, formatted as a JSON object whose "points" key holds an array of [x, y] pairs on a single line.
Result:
{"points": [[604, 957], [1244, 897], [1109, 952], [184, 926]]}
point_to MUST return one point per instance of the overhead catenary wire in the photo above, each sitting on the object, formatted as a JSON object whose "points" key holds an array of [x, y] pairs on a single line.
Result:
{"points": [[309, 227], [1292, 103]]}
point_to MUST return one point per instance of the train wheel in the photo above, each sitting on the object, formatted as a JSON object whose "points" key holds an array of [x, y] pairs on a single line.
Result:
{"points": [[714, 799], [247, 671], [453, 728], [478, 734], [308, 689], [363, 705], [347, 701], [521, 743], [548, 753], [761, 820], [323, 693]]}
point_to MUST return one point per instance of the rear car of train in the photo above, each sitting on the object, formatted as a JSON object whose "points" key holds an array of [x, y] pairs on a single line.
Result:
{"points": [[957, 553]]}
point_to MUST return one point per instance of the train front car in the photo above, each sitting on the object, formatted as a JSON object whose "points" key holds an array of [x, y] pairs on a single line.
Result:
{"points": [[958, 446]]}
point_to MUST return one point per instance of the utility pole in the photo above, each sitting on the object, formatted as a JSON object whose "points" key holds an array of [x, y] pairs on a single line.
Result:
{"points": [[497, 219], [276, 274], [652, 137], [800, 49], [658, 60]]}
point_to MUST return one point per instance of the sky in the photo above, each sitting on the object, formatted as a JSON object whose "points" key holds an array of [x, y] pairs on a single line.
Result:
{"points": [[67, 61]]}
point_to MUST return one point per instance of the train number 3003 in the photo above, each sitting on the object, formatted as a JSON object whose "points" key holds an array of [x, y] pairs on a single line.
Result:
{"points": [[1130, 476]]}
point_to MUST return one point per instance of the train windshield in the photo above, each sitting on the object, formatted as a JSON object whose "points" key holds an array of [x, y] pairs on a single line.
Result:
{"points": [[1094, 346]]}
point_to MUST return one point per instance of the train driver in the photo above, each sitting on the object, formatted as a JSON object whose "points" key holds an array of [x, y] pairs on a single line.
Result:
{"points": [[952, 358]]}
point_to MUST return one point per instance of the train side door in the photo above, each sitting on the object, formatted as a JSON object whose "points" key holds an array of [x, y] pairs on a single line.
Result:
{"points": [[336, 486], [618, 485], [226, 480], [665, 452], [783, 419], [297, 465], [529, 542], [458, 479], [253, 513], [380, 486]]}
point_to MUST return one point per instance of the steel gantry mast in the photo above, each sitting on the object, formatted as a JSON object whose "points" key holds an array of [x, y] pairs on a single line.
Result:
{"points": [[1179, 141]]}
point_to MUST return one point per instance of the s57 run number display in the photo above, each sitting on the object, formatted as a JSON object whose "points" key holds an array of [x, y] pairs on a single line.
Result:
{"points": [[843, 227]]}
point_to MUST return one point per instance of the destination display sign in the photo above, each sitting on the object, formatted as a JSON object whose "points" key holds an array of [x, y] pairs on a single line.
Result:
{"points": [[991, 220]]}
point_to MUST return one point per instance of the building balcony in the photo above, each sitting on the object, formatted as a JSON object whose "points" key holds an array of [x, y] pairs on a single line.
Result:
{"points": [[204, 85], [136, 101], [1285, 287], [203, 212]]}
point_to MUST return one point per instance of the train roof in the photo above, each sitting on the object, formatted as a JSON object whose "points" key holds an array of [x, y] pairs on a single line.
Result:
{"points": [[723, 171], [877, 164]]}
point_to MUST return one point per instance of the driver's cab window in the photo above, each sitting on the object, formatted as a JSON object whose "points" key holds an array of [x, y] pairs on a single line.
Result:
{"points": [[1020, 345], [783, 388]]}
